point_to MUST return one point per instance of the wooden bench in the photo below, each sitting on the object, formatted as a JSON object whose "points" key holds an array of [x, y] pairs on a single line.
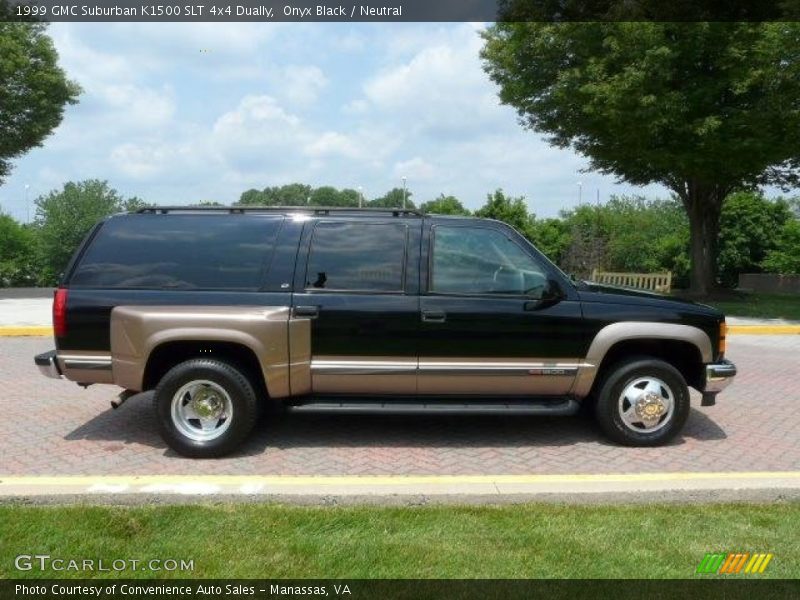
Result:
{"points": [[656, 282]]}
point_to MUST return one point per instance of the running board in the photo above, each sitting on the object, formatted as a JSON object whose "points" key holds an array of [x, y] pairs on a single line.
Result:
{"points": [[561, 407]]}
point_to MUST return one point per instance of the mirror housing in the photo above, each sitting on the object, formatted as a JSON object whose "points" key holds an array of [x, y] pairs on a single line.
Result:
{"points": [[551, 295]]}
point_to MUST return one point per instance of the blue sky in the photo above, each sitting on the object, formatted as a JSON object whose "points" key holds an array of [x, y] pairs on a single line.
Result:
{"points": [[182, 112]]}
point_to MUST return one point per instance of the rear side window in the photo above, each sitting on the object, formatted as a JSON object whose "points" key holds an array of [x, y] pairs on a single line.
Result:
{"points": [[209, 252], [357, 256]]}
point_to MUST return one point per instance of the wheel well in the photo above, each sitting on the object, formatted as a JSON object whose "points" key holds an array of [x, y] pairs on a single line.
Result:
{"points": [[684, 356], [167, 355]]}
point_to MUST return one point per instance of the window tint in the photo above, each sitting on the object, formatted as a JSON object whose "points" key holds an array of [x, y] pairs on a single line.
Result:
{"points": [[477, 260], [357, 256], [179, 252]]}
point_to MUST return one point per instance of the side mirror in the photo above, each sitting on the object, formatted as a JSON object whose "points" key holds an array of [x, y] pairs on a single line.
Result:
{"points": [[551, 295]]}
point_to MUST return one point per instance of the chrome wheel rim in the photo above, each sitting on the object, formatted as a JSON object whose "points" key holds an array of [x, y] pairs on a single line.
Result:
{"points": [[646, 405], [202, 410]]}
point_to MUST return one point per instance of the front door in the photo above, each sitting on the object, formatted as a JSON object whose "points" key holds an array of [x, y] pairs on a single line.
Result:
{"points": [[360, 293], [494, 319]]}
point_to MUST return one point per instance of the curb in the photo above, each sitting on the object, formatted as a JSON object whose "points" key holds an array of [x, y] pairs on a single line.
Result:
{"points": [[493, 485], [46, 330], [764, 329], [26, 331]]}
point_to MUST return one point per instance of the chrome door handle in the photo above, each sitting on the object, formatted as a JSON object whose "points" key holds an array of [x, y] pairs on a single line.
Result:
{"points": [[311, 312], [434, 316]]}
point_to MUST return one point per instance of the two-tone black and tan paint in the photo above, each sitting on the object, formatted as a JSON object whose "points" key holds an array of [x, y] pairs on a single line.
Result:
{"points": [[409, 342]]}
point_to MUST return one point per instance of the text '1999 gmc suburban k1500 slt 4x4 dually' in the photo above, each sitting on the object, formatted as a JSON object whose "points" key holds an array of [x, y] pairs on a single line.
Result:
{"points": [[357, 310]]}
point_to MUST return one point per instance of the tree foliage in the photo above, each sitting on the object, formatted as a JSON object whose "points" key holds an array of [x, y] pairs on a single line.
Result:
{"points": [[64, 217], [511, 210], [299, 194], [702, 108], [33, 90], [444, 205], [784, 258], [17, 254], [750, 230], [394, 198]]}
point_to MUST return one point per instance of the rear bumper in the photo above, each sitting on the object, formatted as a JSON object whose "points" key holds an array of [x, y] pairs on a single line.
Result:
{"points": [[719, 375], [48, 365]]}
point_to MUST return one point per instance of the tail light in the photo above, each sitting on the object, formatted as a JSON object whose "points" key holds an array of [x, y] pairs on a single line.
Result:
{"points": [[723, 332], [60, 312]]}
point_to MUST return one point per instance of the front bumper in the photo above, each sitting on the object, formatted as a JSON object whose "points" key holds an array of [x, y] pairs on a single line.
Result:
{"points": [[48, 365], [719, 375]]}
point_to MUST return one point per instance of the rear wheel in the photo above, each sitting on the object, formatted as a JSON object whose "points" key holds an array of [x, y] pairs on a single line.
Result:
{"points": [[642, 402], [205, 408]]}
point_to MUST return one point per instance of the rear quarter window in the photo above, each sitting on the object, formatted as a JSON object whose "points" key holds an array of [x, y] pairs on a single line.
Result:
{"points": [[210, 252]]}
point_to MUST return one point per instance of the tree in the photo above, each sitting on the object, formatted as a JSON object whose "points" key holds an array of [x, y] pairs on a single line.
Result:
{"points": [[349, 197], [394, 198], [552, 237], [293, 194], [702, 108], [33, 90], [17, 244], [64, 217], [444, 205], [750, 229], [785, 257], [330, 196], [251, 197], [513, 211]]}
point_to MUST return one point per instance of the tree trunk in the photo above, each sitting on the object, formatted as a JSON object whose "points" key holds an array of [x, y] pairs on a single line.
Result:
{"points": [[703, 204]]}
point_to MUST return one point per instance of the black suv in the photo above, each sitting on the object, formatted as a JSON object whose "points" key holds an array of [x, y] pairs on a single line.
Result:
{"points": [[356, 310]]}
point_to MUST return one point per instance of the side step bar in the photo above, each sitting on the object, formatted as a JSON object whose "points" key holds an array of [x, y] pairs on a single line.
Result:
{"points": [[562, 407]]}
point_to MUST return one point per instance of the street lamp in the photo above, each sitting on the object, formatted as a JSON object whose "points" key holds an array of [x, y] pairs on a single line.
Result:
{"points": [[404, 192]]}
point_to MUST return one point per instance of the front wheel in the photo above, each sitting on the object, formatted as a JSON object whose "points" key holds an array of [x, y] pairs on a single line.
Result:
{"points": [[205, 408], [642, 402]]}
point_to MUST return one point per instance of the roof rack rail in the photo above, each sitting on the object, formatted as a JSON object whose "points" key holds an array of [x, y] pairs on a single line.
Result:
{"points": [[317, 210]]}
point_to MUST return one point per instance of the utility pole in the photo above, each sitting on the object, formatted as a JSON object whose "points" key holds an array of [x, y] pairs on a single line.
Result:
{"points": [[27, 205], [360, 196], [580, 192], [404, 192]]}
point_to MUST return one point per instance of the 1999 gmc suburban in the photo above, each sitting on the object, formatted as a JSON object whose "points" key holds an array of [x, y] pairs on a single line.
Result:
{"points": [[359, 310]]}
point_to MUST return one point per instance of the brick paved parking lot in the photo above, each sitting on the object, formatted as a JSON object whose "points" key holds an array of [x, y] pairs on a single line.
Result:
{"points": [[51, 427]]}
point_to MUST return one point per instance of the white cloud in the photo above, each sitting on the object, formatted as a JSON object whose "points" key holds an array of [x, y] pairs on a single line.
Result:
{"points": [[258, 135], [415, 169], [301, 84], [442, 90], [332, 143]]}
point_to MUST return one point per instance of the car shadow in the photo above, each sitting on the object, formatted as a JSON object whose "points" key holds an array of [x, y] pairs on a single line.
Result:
{"points": [[134, 423]]}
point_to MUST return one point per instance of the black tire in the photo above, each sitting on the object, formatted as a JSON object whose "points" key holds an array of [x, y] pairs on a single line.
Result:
{"points": [[243, 407], [626, 373]]}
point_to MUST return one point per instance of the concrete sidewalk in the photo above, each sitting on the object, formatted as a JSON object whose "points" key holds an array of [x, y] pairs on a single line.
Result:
{"points": [[481, 488], [32, 316]]}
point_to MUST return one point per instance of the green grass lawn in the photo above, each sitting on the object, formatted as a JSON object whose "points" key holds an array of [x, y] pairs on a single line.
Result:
{"points": [[522, 541], [765, 306]]}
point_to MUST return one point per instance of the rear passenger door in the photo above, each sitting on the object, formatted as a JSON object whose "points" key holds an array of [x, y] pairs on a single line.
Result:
{"points": [[357, 282]]}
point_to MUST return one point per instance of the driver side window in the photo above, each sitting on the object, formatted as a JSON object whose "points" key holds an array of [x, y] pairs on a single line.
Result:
{"points": [[478, 260]]}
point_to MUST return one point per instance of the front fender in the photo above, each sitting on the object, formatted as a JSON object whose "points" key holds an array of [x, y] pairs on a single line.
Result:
{"points": [[612, 334]]}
